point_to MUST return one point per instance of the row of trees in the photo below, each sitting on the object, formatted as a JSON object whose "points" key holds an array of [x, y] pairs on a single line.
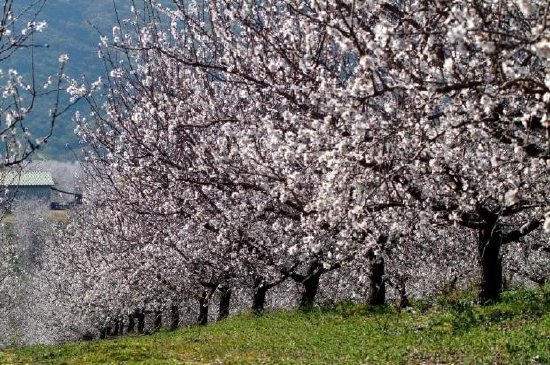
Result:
{"points": [[23, 241], [28, 300], [343, 146], [21, 89]]}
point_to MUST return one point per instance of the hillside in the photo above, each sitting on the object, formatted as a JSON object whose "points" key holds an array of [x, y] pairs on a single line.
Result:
{"points": [[73, 28], [448, 330]]}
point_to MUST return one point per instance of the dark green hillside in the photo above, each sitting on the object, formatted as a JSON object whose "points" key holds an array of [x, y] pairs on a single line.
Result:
{"points": [[69, 31]]}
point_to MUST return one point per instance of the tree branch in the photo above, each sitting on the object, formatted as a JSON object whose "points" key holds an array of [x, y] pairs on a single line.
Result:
{"points": [[527, 228]]}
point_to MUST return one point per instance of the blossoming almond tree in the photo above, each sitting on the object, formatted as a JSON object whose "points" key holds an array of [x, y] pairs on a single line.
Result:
{"points": [[474, 117], [260, 141], [182, 165]]}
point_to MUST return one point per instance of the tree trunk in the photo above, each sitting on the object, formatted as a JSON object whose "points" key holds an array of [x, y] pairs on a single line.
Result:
{"points": [[131, 323], [140, 316], [490, 263], [311, 286], [116, 329], [403, 299], [203, 309], [103, 333], [158, 321], [377, 286], [258, 299], [174, 317], [87, 336], [225, 301]]}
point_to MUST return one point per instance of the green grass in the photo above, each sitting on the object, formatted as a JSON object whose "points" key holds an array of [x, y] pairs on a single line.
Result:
{"points": [[449, 330]]}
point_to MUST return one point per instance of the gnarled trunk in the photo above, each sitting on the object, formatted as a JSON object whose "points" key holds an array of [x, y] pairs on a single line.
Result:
{"points": [[203, 308], [258, 298], [174, 317], [103, 333], [260, 292], [401, 287], [131, 323], [158, 321], [117, 330], [377, 286], [403, 298], [490, 264], [225, 301], [311, 286], [140, 316]]}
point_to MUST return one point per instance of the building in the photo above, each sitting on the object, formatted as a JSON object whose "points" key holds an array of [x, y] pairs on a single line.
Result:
{"points": [[27, 185]]}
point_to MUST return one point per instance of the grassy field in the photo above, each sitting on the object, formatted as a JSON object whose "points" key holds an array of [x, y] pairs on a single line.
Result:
{"points": [[446, 330]]}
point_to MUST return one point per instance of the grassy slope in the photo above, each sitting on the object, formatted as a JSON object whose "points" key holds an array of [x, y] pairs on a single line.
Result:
{"points": [[514, 331]]}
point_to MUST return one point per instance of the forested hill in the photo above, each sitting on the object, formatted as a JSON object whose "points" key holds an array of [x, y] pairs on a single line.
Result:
{"points": [[74, 28]]}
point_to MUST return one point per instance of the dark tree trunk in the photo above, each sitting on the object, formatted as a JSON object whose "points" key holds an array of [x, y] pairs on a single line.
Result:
{"points": [[311, 286], [140, 316], [116, 329], [203, 308], [174, 317], [490, 263], [377, 286], [225, 301], [87, 336], [103, 333], [258, 298], [403, 297], [158, 321], [131, 323]]}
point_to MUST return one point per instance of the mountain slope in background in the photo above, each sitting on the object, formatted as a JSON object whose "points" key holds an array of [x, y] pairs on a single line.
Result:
{"points": [[74, 27]]}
